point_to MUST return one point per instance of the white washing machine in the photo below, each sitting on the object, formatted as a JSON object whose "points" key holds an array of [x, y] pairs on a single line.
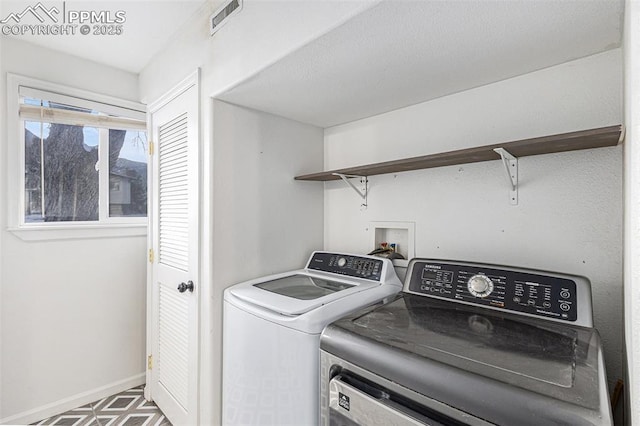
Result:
{"points": [[272, 327]]}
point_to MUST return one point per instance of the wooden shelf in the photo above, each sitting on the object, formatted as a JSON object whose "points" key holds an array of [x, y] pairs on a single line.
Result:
{"points": [[585, 139]]}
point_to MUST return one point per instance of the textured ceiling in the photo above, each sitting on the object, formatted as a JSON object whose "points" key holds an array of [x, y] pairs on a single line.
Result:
{"points": [[400, 53], [148, 28]]}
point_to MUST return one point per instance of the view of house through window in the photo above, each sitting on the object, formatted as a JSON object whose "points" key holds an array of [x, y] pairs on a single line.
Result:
{"points": [[66, 155], [127, 173]]}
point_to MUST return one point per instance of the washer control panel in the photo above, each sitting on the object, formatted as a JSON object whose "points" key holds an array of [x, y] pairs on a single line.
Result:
{"points": [[553, 296], [353, 266]]}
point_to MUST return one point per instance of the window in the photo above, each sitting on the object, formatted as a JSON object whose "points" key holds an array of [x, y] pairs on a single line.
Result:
{"points": [[82, 162]]}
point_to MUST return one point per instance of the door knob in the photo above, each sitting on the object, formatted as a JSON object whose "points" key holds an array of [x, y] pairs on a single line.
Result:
{"points": [[184, 287]]}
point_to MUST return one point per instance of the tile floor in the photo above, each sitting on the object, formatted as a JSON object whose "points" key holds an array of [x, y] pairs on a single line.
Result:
{"points": [[128, 408]]}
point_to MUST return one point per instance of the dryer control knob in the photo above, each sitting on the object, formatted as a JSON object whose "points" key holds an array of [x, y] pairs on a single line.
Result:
{"points": [[480, 285], [342, 262]]}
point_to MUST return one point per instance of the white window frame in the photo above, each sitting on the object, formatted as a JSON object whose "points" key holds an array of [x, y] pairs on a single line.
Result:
{"points": [[106, 226]]}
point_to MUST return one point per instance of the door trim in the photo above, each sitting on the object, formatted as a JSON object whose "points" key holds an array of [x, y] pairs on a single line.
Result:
{"points": [[192, 79]]}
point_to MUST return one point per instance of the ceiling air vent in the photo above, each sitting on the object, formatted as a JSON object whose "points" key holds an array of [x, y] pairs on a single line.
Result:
{"points": [[222, 15]]}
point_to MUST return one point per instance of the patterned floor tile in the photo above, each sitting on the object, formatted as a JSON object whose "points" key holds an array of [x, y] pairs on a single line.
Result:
{"points": [[71, 419], [121, 403], [128, 408], [137, 420], [103, 421]]}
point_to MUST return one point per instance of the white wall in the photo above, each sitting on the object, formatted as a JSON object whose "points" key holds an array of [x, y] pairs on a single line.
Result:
{"points": [[264, 221], [73, 311], [632, 208], [569, 216], [3, 202]]}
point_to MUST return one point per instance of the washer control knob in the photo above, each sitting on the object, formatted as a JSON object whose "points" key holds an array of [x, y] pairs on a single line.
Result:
{"points": [[480, 285], [341, 262]]}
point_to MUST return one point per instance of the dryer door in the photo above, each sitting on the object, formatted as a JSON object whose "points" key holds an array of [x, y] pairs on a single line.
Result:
{"points": [[356, 402]]}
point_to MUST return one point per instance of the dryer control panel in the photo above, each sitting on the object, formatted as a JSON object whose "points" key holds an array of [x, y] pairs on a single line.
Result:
{"points": [[553, 296], [350, 265]]}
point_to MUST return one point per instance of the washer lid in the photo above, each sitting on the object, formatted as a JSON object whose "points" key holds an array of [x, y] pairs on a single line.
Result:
{"points": [[298, 293]]}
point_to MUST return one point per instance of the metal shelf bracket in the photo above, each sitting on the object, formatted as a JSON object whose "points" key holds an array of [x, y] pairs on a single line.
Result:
{"points": [[511, 167], [361, 192]]}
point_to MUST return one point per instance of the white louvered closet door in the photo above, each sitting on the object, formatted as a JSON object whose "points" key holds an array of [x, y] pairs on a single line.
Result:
{"points": [[175, 325]]}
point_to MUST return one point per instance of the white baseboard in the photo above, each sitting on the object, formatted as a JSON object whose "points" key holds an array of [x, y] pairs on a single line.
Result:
{"points": [[75, 401]]}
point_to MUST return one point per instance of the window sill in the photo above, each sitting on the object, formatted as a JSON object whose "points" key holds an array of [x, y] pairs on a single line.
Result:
{"points": [[69, 232]]}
